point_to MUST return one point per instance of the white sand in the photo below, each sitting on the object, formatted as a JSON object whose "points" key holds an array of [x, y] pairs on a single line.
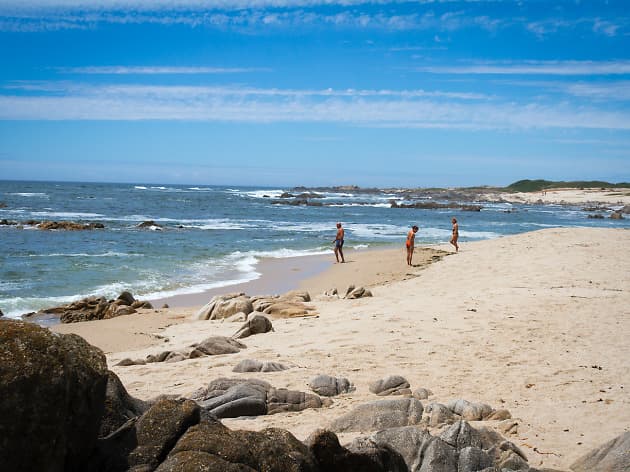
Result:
{"points": [[522, 322]]}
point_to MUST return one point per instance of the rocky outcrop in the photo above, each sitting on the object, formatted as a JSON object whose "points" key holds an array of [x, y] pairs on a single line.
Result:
{"points": [[469, 410], [93, 308], [381, 414], [68, 226], [212, 346], [230, 398], [613, 456], [52, 391], [290, 305], [328, 386], [391, 385], [120, 407], [256, 324], [150, 224], [251, 365]]}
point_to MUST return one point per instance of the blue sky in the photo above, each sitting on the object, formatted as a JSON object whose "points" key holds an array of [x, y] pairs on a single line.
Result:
{"points": [[314, 92]]}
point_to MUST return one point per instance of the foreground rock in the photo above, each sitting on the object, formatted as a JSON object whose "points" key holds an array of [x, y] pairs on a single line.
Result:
{"points": [[93, 308], [212, 346], [380, 414], [231, 398], [614, 456], [52, 391]]}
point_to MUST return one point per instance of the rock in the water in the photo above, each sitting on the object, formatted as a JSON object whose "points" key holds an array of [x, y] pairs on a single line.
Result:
{"points": [[250, 365], [391, 385], [68, 226], [613, 456], [380, 415], [616, 215], [52, 390], [1, 314], [256, 323], [328, 386]]}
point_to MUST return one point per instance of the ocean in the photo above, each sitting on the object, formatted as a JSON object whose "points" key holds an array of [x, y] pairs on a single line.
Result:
{"points": [[207, 237]]}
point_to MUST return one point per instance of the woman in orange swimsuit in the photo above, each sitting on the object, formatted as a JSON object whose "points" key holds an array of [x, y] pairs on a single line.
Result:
{"points": [[411, 237]]}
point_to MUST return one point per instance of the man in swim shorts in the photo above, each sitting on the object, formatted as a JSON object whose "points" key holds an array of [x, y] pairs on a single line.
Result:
{"points": [[455, 236], [411, 238], [339, 243]]}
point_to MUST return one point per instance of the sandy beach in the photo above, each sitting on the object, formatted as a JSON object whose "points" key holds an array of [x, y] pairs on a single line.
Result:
{"points": [[536, 323]]}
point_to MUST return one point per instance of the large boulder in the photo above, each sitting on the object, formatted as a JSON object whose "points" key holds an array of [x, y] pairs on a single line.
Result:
{"points": [[224, 306], [613, 456], [120, 407], [379, 415], [52, 391], [217, 448]]}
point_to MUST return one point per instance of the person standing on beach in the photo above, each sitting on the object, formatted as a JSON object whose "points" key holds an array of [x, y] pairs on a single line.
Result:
{"points": [[339, 243], [455, 236], [411, 238]]}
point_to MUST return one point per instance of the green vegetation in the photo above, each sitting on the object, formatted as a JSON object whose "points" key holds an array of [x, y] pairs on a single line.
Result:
{"points": [[538, 185]]}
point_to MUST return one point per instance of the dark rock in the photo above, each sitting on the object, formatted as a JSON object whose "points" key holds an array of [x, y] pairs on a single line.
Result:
{"points": [[613, 456], [126, 298], [52, 389], [286, 195], [65, 225], [391, 385], [328, 386], [408, 441], [250, 365], [149, 224], [597, 216], [364, 456], [120, 407], [194, 461], [3, 205], [270, 450], [1, 314], [255, 324], [159, 428], [380, 415]]}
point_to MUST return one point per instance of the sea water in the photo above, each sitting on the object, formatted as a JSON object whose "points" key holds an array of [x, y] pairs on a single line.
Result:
{"points": [[208, 237]]}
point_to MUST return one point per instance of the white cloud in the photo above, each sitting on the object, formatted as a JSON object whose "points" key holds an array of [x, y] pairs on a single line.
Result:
{"points": [[535, 68], [382, 108], [141, 70]]}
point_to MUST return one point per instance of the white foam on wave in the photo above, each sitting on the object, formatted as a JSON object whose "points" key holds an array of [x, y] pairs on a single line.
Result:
{"points": [[377, 230], [265, 194], [83, 254], [66, 214], [140, 187], [29, 194]]}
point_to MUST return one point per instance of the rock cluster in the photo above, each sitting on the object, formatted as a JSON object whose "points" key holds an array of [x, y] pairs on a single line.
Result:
{"points": [[63, 411], [291, 304], [211, 346], [54, 225], [230, 398], [94, 308]]}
